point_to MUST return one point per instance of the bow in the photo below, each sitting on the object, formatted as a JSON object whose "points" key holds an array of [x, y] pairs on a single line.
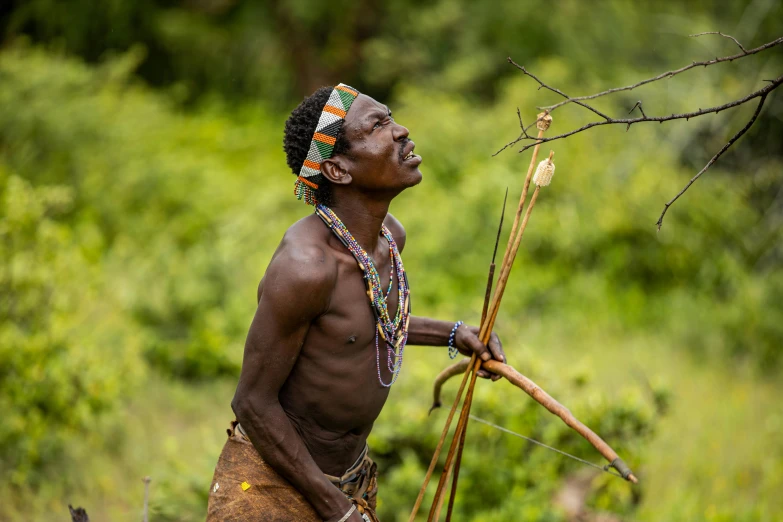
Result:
{"points": [[471, 366]]}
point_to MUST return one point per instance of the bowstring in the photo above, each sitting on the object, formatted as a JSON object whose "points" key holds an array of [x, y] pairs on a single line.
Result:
{"points": [[605, 469]]}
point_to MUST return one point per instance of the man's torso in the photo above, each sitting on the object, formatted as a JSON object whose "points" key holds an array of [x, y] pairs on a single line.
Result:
{"points": [[333, 394]]}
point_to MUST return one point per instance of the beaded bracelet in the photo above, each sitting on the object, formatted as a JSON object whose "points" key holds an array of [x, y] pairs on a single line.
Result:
{"points": [[453, 349]]}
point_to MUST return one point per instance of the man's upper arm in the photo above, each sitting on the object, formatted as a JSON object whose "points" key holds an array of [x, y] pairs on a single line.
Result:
{"points": [[396, 229], [297, 287]]}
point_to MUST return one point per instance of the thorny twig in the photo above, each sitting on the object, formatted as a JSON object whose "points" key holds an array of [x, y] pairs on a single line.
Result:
{"points": [[723, 35], [523, 132], [714, 158], [660, 119], [667, 74], [558, 91], [761, 93], [639, 105]]}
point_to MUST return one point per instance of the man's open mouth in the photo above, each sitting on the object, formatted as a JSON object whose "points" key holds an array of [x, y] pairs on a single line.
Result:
{"points": [[410, 153]]}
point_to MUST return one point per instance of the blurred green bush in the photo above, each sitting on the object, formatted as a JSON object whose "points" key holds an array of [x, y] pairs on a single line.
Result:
{"points": [[143, 193], [67, 354], [281, 51], [133, 233]]}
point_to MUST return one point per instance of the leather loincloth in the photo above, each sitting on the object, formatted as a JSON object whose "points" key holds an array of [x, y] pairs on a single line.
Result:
{"points": [[246, 488]]}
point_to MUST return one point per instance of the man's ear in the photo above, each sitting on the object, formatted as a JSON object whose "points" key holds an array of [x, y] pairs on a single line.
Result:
{"points": [[336, 170]]}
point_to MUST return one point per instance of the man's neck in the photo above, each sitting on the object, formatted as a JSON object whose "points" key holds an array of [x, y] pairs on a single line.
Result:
{"points": [[363, 217]]}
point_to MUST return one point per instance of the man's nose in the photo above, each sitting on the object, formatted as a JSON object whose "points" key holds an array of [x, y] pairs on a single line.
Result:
{"points": [[399, 132]]}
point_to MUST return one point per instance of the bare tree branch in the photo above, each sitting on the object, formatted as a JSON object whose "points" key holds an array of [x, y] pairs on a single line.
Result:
{"points": [[667, 74], [639, 105], [713, 160], [660, 119], [558, 91], [761, 93], [522, 135], [723, 35]]}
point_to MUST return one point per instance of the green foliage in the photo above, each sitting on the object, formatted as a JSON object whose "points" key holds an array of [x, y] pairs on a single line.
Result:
{"points": [[280, 51], [60, 324], [504, 477], [133, 233], [126, 180], [594, 253]]}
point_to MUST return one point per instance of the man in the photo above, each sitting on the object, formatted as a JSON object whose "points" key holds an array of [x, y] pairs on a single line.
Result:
{"points": [[332, 321]]}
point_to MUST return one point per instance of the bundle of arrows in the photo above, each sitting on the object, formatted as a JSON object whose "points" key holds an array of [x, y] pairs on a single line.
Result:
{"points": [[469, 368]]}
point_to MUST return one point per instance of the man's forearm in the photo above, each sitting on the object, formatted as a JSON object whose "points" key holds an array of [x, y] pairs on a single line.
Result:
{"points": [[276, 440], [424, 331]]}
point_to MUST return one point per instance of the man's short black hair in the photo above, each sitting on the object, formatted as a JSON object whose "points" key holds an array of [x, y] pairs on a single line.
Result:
{"points": [[299, 130]]}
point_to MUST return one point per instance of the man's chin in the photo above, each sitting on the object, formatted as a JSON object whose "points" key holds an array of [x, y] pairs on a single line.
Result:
{"points": [[413, 179]]}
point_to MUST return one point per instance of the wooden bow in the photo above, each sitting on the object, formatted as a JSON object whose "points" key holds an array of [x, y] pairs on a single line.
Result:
{"points": [[489, 315]]}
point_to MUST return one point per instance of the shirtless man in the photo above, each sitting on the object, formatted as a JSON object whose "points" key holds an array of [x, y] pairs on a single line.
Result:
{"points": [[311, 382]]}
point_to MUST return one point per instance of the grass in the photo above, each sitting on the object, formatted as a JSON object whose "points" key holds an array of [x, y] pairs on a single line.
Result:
{"points": [[717, 455], [170, 431]]}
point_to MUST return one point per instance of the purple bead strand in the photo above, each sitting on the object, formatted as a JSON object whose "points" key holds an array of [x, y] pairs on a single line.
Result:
{"points": [[394, 331]]}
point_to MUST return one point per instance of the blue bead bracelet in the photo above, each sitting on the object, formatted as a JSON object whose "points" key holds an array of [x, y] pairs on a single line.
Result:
{"points": [[453, 349]]}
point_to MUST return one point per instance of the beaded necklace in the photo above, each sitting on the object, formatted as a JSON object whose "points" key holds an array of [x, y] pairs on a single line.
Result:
{"points": [[394, 332]]}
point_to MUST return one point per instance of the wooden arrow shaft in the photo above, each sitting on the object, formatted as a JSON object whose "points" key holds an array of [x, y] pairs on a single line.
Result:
{"points": [[439, 447], [485, 332]]}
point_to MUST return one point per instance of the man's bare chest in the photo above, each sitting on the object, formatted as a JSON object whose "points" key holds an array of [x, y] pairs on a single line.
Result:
{"points": [[351, 317]]}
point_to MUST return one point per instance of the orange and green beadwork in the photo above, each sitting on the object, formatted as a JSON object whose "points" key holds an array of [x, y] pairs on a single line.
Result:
{"points": [[324, 138]]}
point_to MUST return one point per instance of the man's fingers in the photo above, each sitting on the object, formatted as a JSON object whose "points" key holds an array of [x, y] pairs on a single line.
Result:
{"points": [[496, 347], [486, 374], [472, 342], [493, 351], [480, 349]]}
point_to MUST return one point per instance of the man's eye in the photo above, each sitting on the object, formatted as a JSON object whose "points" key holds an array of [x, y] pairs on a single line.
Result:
{"points": [[379, 123]]}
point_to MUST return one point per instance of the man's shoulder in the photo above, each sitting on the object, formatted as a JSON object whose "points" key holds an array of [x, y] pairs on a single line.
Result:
{"points": [[304, 257], [307, 235]]}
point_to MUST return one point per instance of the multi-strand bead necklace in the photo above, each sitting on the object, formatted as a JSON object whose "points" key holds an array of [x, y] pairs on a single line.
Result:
{"points": [[393, 332]]}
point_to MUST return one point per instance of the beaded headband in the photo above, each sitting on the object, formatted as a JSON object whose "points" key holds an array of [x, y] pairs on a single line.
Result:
{"points": [[324, 138]]}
